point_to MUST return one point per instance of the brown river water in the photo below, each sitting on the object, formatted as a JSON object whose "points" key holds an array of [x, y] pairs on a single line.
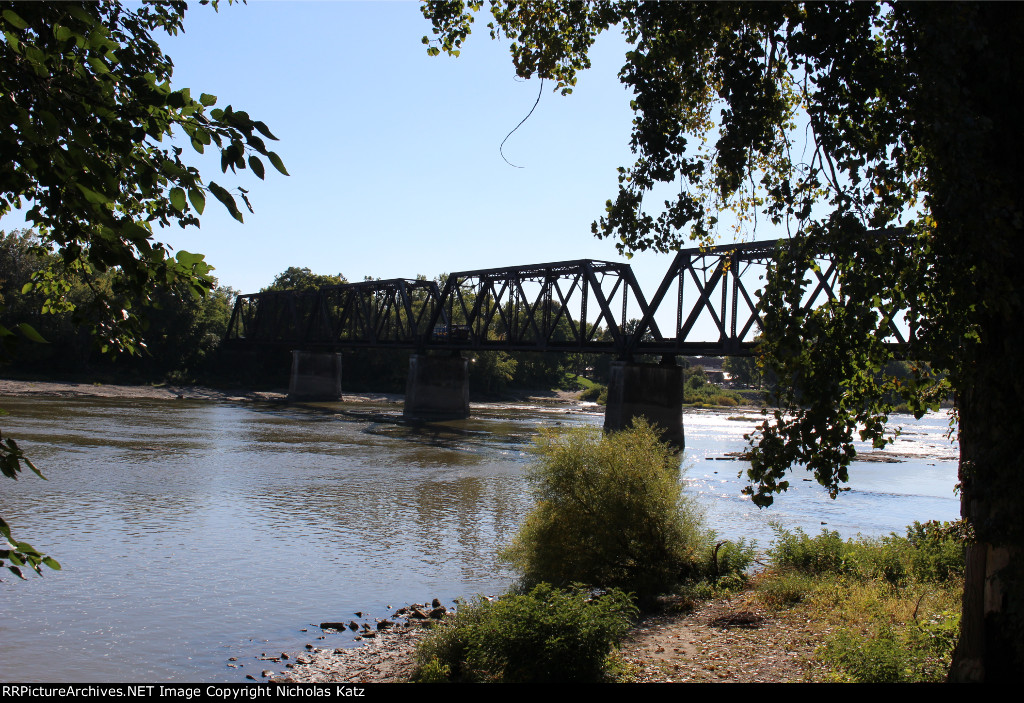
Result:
{"points": [[194, 532]]}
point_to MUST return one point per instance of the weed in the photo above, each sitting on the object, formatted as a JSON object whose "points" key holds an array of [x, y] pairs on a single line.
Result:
{"points": [[785, 589], [544, 635], [892, 600]]}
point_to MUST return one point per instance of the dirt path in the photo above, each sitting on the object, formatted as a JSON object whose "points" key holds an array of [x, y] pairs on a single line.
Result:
{"points": [[731, 640]]}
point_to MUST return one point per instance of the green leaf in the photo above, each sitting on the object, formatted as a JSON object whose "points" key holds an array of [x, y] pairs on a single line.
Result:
{"points": [[14, 19], [198, 199], [93, 196], [30, 332], [206, 99], [278, 164], [186, 258], [264, 130], [52, 563], [98, 65], [227, 199], [178, 199], [257, 166]]}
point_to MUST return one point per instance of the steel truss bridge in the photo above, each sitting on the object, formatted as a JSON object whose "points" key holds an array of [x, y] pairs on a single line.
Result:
{"points": [[566, 306]]}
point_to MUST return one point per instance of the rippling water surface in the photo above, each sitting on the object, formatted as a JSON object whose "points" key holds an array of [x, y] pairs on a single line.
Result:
{"points": [[192, 532]]}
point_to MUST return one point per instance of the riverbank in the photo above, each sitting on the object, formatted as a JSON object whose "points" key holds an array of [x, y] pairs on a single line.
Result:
{"points": [[26, 389], [55, 389], [725, 640], [15, 388]]}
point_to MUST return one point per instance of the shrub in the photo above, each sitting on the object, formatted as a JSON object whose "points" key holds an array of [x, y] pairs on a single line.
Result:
{"points": [[609, 513], [938, 549], [930, 552], [785, 589], [886, 654], [544, 635], [433, 672], [725, 559], [696, 382], [825, 553]]}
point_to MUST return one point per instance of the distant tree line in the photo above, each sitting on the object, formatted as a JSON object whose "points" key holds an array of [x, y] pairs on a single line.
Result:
{"points": [[182, 332]]}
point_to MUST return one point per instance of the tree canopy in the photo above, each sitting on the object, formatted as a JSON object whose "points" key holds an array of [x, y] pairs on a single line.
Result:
{"points": [[92, 149], [881, 133], [295, 278]]}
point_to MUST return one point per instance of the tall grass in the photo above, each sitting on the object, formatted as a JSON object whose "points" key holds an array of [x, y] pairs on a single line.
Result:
{"points": [[893, 602]]}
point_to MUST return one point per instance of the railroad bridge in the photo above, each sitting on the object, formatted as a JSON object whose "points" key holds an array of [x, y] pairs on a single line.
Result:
{"points": [[567, 306]]}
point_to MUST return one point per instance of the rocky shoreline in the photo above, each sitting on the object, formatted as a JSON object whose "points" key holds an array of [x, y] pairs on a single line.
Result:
{"points": [[12, 388], [54, 389], [733, 639], [385, 653]]}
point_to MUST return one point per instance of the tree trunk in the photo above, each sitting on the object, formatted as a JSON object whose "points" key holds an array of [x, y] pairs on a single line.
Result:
{"points": [[989, 645], [970, 58], [991, 626]]}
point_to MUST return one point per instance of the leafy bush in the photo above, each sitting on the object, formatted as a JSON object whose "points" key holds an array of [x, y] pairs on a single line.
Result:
{"points": [[699, 393], [433, 672], [893, 600], [544, 635], [886, 654], [719, 568], [593, 393], [825, 553], [609, 513], [938, 549], [930, 552]]}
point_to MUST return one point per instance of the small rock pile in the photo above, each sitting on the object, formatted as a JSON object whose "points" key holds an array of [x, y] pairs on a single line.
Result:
{"points": [[415, 615], [385, 655]]}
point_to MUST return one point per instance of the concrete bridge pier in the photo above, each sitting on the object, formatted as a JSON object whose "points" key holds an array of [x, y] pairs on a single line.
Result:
{"points": [[437, 387], [654, 391], [316, 376]]}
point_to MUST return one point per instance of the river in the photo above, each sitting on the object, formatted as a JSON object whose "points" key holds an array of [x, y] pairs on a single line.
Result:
{"points": [[191, 532]]}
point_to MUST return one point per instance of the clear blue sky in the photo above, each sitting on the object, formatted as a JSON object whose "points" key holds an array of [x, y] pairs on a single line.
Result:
{"points": [[394, 155]]}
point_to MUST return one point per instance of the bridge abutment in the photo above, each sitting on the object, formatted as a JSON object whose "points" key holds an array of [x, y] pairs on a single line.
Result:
{"points": [[316, 376], [437, 388], [653, 391]]}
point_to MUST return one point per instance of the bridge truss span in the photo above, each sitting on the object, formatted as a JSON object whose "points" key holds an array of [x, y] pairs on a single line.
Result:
{"points": [[561, 306], [568, 306]]}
